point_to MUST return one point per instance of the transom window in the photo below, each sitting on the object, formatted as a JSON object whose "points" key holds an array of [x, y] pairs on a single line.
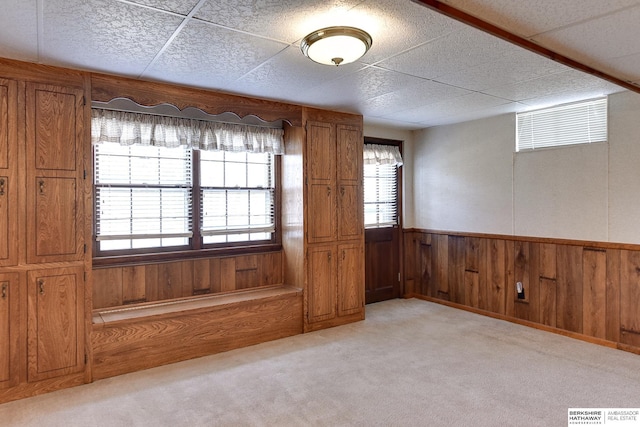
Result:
{"points": [[582, 122], [175, 196]]}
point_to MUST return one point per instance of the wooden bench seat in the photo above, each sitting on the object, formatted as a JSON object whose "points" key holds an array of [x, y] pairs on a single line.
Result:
{"points": [[127, 339]]}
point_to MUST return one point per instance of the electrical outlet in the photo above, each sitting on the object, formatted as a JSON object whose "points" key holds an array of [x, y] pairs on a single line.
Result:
{"points": [[520, 290]]}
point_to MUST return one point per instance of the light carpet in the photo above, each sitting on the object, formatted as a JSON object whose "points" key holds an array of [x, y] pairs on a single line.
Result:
{"points": [[409, 363]]}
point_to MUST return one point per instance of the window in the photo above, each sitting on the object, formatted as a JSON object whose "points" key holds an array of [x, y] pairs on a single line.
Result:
{"points": [[381, 185], [577, 123], [161, 193]]}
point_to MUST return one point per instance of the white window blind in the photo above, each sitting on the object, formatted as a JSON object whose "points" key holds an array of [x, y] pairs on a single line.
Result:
{"points": [[577, 123], [143, 196], [237, 196], [381, 164]]}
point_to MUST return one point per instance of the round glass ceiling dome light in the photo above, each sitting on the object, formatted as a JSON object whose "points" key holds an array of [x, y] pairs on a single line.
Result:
{"points": [[336, 45]]}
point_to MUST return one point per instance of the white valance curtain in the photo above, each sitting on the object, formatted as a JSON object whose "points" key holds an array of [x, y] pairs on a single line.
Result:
{"points": [[146, 129], [375, 154]]}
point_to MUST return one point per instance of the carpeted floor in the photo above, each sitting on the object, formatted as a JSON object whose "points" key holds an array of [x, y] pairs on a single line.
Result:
{"points": [[409, 363]]}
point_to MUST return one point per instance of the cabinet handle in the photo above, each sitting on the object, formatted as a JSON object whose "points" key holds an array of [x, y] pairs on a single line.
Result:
{"points": [[5, 285], [41, 183], [41, 286], [328, 191], [329, 256], [342, 191], [1, 186], [344, 254]]}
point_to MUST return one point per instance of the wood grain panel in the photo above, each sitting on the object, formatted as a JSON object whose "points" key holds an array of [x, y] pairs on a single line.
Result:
{"points": [[321, 224], [613, 295], [350, 279], [456, 269], [56, 231], [5, 336], [227, 274], [629, 292], [496, 276], [322, 286], [134, 288], [7, 244], [55, 344], [321, 152], [547, 260], [350, 212], [520, 308], [215, 274], [271, 269], [349, 146], [186, 278], [201, 277], [471, 288], [425, 269], [594, 294], [151, 284], [440, 245], [569, 288], [247, 271], [169, 280], [55, 113], [5, 124], [548, 305], [107, 287], [473, 253]]}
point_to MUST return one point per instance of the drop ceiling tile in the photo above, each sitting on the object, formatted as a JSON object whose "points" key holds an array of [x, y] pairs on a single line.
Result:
{"points": [[289, 75], [597, 40], [210, 56], [104, 35], [527, 18], [284, 20], [355, 89], [450, 107], [626, 68], [483, 113], [19, 30], [421, 93], [451, 53], [515, 65], [182, 7], [397, 26]]}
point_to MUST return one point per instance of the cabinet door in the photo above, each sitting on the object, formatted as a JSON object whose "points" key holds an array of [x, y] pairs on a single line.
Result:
{"points": [[56, 230], [349, 179], [8, 331], [321, 284], [54, 127], [321, 211], [350, 279], [55, 343], [8, 161], [321, 152], [54, 152]]}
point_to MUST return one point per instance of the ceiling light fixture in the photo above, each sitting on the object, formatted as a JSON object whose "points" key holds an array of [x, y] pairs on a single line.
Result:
{"points": [[336, 45]]}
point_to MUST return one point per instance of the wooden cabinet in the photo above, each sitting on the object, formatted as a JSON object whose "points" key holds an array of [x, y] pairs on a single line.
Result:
{"points": [[333, 219], [43, 309], [54, 142], [8, 183], [9, 286], [55, 322]]}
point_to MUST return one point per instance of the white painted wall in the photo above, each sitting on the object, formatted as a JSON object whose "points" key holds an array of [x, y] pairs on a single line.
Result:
{"points": [[463, 176], [468, 178]]}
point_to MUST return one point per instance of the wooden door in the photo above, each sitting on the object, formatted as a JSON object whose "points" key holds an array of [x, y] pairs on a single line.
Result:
{"points": [[350, 279], [9, 339], [382, 234], [55, 329], [382, 279], [321, 284], [54, 142], [321, 226], [8, 162]]}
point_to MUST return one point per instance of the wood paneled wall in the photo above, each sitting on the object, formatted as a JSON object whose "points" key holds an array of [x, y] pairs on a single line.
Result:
{"points": [[588, 288], [116, 286]]}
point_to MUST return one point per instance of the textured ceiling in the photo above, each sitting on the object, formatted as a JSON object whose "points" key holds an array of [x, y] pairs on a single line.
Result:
{"points": [[424, 69]]}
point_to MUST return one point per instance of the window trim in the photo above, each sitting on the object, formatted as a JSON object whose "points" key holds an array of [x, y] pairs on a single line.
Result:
{"points": [[195, 249]]}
